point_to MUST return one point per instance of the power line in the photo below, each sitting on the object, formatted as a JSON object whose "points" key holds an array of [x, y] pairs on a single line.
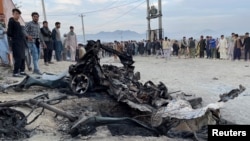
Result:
{"points": [[111, 7], [95, 11], [121, 15]]}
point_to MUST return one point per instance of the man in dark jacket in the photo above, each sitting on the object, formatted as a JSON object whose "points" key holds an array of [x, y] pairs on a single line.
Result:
{"points": [[202, 45], [246, 45], [17, 42], [158, 48], [57, 41], [191, 48], [148, 47], [46, 33]]}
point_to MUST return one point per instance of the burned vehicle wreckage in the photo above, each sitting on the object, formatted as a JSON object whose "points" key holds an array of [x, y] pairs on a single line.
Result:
{"points": [[124, 101]]}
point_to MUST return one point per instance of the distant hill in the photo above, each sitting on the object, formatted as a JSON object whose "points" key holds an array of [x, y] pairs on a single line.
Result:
{"points": [[119, 35], [208, 32], [125, 35]]}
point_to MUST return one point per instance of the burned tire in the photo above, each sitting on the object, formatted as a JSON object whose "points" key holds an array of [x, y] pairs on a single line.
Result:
{"points": [[80, 84]]}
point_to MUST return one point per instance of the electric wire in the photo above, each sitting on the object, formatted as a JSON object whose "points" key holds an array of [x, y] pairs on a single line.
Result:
{"points": [[110, 21], [94, 11]]}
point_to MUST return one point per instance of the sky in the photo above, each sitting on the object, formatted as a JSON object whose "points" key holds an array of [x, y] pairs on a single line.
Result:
{"points": [[180, 17]]}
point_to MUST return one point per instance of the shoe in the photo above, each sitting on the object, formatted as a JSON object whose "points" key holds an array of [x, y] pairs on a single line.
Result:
{"points": [[30, 69], [37, 72], [46, 64], [23, 73], [17, 75], [51, 62], [5, 65]]}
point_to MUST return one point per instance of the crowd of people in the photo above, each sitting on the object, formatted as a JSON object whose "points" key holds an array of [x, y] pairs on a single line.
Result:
{"points": [[234, 47], [29, 39], [34, 40]]}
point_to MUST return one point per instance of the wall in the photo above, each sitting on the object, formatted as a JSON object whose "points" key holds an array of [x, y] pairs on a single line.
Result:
{"points": [[6, 7]]}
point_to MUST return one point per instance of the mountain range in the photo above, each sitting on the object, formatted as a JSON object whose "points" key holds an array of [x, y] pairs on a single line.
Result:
{"points": [[125, 35], [118, 35]]}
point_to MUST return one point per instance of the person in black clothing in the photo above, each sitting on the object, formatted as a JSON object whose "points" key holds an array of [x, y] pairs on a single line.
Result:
{"points": [[246, 45], [141, 48], [17, 42], [148, 47], [217, 49], [237, 47], [202, 44], [46, 33], [176, 48], [158, 47], [208, 49]]}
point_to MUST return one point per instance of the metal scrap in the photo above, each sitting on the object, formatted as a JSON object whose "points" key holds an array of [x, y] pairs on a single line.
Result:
{"points": [[12, 124]]}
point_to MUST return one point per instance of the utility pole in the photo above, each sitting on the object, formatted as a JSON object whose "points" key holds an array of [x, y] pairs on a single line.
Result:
{"points": [[160, 19], [44, 12], [152, 13], [83, 31], [148, 18]]}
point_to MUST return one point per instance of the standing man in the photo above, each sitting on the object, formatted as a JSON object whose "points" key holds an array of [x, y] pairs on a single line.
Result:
{"points": [[176, 48], [158, 47], [148, 48], [34, 36], [231, 47], [222, 46], [17, 42], [208, 49], [46, 33], [184, 46], [202, 45], [56, 36], [191, 48], [237, 47], [212, 45], [246, 45], [166, 45], [72, 43]]}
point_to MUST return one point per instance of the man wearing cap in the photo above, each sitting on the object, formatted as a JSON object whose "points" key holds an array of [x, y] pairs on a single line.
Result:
{"points": [[246, 45], [34, 36]]}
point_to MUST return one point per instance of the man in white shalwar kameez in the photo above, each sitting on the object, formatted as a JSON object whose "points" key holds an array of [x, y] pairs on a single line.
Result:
{"points": [[223, 47], [166, 45], [71, 43]]}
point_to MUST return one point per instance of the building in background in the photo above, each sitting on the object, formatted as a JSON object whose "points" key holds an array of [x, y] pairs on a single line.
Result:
{"points": [[6, 7]]}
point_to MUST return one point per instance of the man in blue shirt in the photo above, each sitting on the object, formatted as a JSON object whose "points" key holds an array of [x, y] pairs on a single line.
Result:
{"points": [[212, 46]]}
